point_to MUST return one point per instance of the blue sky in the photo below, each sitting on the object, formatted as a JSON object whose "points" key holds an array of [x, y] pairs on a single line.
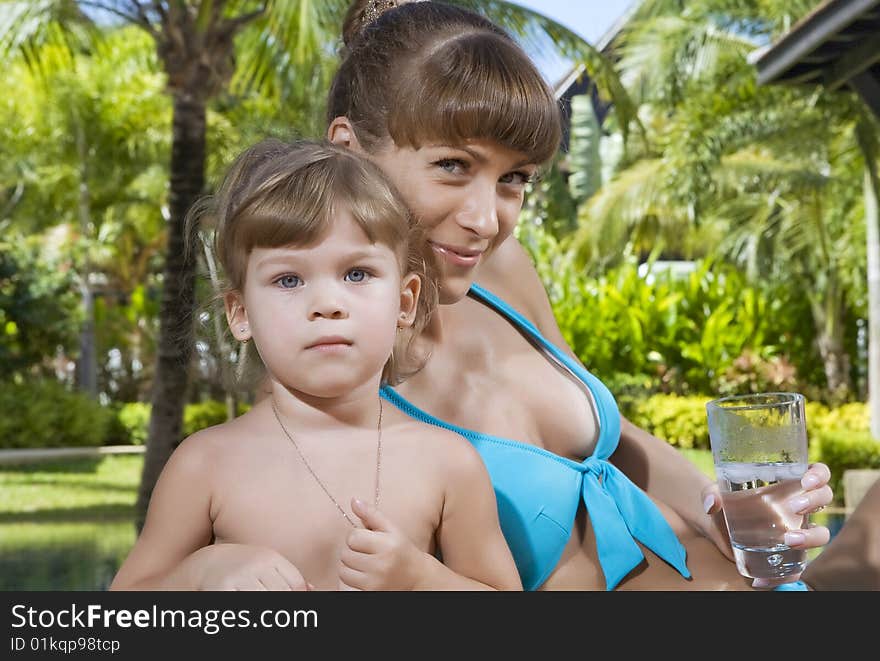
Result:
{"points": [[588, 18]]}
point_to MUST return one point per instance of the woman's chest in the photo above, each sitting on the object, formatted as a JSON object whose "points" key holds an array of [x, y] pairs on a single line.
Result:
{"points": [[495, 381]]}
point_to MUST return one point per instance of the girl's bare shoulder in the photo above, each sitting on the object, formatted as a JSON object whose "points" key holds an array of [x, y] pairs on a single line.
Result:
{"points": [[220, 443]]}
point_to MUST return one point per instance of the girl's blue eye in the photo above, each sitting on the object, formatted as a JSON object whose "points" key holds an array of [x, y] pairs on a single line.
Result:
{"points": [[288, 281], [356, 275]]}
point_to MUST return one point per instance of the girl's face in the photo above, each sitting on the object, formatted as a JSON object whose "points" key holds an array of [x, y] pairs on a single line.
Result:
{"points": [[468, 198], [324, 317]]}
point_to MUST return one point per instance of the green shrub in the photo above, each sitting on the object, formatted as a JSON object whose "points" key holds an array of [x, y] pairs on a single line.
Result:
{"points": [[842, 450], [203, 415], [135, 418], [853, 417], [46, 414], [677, 419]]}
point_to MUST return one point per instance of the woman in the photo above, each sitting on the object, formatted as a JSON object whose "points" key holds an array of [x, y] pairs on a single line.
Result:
{"points": [[460, 119]]}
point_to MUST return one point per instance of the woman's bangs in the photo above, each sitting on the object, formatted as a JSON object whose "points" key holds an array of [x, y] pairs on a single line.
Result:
{"points": [[471, 90]]}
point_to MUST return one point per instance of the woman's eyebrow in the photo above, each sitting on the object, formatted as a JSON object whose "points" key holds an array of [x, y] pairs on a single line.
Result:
{"points": [[479, 156]]}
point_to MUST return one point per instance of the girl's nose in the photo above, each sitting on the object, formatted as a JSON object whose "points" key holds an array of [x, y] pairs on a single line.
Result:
{"points": [[327, 303]]}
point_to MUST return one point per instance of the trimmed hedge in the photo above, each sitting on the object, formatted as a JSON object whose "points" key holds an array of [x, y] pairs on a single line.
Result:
{"points": [[838, 437], [135, 418], [843, 450], [679, 420], [46, 414]]}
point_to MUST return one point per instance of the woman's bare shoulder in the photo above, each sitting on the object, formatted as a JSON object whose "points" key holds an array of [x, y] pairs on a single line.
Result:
{"points": [[444, 449], [510, 274]]}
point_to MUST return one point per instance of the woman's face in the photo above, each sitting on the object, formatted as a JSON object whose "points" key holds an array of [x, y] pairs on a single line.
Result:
{"points": [[468, 198]]}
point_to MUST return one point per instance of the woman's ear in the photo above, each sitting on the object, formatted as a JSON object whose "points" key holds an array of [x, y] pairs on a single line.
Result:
{"points": [[236, 316], [340, 132], [410, 287]]}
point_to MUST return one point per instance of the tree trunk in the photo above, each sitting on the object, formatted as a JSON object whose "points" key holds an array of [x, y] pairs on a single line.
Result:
{"points": [[175, 344], [828, 312], [87, 364], [872, 218], [836, 363]]}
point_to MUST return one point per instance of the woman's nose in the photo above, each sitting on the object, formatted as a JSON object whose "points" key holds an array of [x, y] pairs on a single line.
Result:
{"points": [[480, 215]]}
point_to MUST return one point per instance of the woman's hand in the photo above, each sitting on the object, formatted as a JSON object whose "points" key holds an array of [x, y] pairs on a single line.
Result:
{"points": [[244, 567], [378, 556], [815, 496]]}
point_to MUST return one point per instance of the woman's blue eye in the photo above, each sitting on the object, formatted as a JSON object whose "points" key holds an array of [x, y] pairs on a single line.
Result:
{"points": [[356, 275], [288, 281]]}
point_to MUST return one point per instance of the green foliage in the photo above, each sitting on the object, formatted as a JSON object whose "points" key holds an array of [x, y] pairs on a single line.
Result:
{"points": [[843, 450], [206, 414], [135, 420], [766, 178], [837, 436], [685, 328], [37, 309], [679, 420], [584, 162], [853, 417], [46, 414]]}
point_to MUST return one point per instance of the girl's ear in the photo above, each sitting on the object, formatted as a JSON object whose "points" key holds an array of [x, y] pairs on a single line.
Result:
{"points": [[410, 287], [236, 316], [340, 132]]}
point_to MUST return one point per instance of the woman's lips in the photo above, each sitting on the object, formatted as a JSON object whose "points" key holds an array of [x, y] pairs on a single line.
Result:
{"points": [[457, 256]]}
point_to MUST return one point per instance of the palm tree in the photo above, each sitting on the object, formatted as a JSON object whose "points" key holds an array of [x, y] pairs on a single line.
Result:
{"points": [[206, 48], [758, 171], [69, 125], [196, 45]]}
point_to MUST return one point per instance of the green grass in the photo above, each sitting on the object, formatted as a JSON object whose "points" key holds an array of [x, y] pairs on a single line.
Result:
{"points": [[66, 525], [104, 487], [702, 459]]}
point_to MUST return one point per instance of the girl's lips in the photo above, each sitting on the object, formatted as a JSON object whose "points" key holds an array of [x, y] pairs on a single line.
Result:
{"points": [[468, 258]]}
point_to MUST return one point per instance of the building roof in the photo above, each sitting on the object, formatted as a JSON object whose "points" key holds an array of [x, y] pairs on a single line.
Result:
{"points": [[837, 43]]}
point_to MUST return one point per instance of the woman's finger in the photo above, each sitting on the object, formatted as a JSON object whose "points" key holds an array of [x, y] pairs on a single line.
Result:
{"points": [[810, 501], [808, 538], [817, 474]]}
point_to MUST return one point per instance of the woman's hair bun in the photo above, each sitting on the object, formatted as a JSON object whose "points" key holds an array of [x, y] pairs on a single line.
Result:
{"points": [[363, 12]]}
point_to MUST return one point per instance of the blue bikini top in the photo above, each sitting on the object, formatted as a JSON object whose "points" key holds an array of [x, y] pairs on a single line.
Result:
{"points": [[538, 492]]}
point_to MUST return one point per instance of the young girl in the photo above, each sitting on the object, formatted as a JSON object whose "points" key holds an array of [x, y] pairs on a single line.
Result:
{"points": [[320, 485]]}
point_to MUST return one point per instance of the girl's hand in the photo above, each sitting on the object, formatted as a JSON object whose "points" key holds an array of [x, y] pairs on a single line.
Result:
{"points": [[815, 496], [244, 567], [378, 556]]}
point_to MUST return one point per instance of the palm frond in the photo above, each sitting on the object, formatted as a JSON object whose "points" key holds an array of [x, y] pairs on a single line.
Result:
{"points": [[25, 27]]}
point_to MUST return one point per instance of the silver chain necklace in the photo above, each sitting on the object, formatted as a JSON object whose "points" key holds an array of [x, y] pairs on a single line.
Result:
{"points": [[318, 479]]}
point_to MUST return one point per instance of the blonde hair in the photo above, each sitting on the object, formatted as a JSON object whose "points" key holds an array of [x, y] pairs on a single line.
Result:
{"points": [[426, 71], [280, 193]]}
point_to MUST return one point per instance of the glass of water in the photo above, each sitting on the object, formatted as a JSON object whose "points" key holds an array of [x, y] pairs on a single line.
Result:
{"points": [[759, 447]]}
